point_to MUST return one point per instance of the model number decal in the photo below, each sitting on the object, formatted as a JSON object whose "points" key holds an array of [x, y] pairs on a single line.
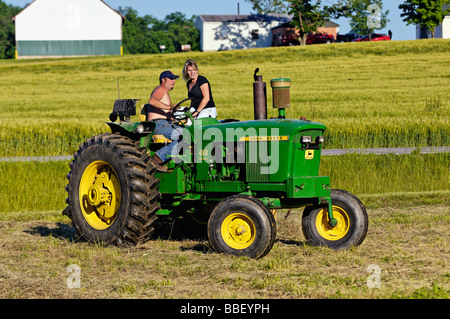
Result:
{"points": [[263, 138]]}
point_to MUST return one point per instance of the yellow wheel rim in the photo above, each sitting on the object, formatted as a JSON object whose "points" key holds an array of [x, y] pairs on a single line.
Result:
{"points": [[333, 233], [238, 231], [99, 195]]}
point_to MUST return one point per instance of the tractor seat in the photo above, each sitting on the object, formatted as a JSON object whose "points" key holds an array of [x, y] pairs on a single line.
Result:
{"points": [[144, 112]]}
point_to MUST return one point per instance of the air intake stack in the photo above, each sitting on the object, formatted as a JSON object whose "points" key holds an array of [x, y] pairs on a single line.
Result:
{"points": [[281, 95]]}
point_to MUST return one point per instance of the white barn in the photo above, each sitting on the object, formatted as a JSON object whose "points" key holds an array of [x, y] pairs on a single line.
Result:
{"points": [[230, 32], [61, 28]]}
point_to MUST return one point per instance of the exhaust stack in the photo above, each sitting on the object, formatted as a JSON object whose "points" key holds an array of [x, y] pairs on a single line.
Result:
{"points": [[259, 97]]}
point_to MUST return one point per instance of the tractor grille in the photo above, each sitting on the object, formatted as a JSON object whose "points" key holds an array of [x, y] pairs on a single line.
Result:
{"points": [[255, 159]]}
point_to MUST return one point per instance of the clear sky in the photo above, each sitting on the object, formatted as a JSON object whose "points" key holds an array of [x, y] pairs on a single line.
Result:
{"points": [[160, 8]]}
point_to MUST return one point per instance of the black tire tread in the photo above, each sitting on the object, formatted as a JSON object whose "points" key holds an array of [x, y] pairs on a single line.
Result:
{"points": [[223, 204], [141, 183], [360, 230]]}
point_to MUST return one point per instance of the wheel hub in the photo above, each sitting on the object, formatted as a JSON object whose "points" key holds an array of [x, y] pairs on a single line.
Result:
{"points": [[238, 231], [336, 228], [100, 195]]}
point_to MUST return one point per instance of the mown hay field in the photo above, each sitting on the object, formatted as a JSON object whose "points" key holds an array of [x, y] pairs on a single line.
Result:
{"points": [[405, 255]]}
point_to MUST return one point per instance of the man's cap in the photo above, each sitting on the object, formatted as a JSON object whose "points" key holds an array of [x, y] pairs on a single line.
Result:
{"points": [[168, 74]]}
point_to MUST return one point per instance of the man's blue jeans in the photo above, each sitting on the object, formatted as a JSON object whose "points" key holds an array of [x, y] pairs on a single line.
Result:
{"points": [[170, 131]]}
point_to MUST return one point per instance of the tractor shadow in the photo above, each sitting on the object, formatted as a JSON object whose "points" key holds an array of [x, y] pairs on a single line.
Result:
{"points": [[200, 247], [194, 237], [291, 242], [191, 235], [61, 231], [179, 229]]}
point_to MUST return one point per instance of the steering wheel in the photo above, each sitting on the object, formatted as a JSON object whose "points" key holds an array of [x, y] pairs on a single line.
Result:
{"points": [[181, 115]]}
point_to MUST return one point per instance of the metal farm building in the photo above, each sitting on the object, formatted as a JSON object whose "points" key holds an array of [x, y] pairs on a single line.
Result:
{"points": [[56, 28]]}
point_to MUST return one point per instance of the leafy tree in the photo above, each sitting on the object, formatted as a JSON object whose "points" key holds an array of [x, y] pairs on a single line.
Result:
{"points": [[146, 34], [7, 30], [307, 18], [340, 9], [365, 16], [182, 30], [368, 16], [426, 13], [136, 33], [268, 6]]}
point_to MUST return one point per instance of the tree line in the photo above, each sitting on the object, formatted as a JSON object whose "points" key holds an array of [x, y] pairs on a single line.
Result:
{"points": [[365, 16], [146, 34], [7, 30]]}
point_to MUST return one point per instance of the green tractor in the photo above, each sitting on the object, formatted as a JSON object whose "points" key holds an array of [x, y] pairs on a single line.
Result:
{"points": [[231, 176]]}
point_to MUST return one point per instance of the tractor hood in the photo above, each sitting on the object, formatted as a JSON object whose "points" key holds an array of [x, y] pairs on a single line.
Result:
{"points": [[255, 130]]}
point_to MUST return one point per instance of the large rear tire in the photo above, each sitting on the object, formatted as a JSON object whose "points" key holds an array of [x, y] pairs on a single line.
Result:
{"points": [[242, 226], [351, 227], [112, 191]]}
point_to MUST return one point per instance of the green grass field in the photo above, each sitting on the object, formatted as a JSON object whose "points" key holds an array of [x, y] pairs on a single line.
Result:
{"points": [[36, 187], [367, 94]]}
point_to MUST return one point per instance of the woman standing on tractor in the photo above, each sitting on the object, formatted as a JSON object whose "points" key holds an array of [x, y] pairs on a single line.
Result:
{"points": [[199, 90]]}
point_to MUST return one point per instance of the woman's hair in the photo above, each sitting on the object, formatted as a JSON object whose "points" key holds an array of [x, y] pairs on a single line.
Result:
{"points": [[187, 64]]}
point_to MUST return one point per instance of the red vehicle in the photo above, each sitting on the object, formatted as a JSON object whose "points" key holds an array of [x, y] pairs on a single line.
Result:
{"points": [[292, 39], [319, 38], [375, 37], [288, 39]]}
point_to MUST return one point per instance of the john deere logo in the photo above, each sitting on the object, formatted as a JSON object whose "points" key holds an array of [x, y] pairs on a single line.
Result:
{"points": [[309, 154]]}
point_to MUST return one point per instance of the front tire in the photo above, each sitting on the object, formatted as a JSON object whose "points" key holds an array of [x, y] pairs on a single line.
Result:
{"points": [[112, 191], [351, 227], [242, 226]]}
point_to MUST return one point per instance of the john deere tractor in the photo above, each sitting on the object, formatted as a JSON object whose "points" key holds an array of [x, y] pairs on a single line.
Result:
{"points": [[231, 175]]}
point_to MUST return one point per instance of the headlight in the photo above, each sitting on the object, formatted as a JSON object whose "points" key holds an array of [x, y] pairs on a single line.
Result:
{"points": [[320, 139], [140, 128], [306, 139], [143, 128]]}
